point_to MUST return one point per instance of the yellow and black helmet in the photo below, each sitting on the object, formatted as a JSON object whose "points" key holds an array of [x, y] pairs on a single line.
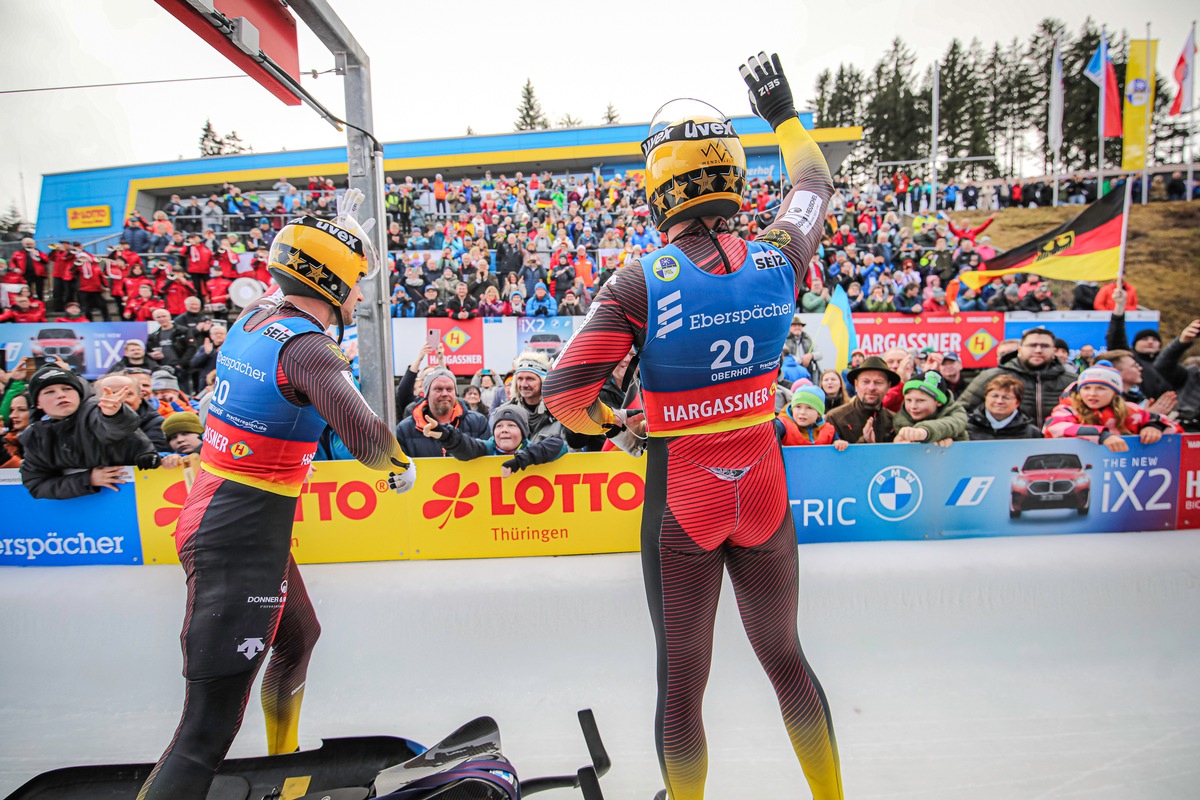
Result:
{"points": [[319, 258], [695, 167]]}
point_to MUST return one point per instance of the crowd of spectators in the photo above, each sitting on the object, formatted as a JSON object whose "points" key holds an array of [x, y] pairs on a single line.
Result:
{"points": [[542, 246]]}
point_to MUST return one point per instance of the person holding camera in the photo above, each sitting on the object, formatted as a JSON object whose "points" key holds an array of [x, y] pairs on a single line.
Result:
{"points": [[541, 304]]}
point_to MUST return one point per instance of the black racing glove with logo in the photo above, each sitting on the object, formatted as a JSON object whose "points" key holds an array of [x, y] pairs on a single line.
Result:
{"points": [[770, 94]]}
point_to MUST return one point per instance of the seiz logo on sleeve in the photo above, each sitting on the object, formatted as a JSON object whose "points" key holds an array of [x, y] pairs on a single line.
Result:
{"points": [[769, 259]]}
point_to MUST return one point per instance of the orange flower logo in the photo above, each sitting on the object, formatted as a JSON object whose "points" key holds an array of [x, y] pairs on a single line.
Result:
{"points": [[454, 502], [175, 494]]}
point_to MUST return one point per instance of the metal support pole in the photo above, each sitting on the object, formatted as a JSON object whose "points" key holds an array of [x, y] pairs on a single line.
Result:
{"points": [[1100, 116], [1152, 75], [373, 315], [933, 184], [1191, 128], [365, 167]]}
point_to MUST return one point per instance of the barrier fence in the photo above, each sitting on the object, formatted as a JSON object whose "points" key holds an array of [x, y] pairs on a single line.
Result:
{"points": [[592, 503]]}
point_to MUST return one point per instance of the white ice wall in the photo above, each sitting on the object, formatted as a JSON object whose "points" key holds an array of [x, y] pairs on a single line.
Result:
{"points": [[1040, 667]]}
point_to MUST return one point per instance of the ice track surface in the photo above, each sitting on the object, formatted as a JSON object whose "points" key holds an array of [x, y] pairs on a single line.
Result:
{"points": [[1039, 667]]}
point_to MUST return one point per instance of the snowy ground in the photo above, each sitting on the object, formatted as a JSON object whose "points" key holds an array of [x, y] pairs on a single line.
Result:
{"points": [[1040, 667]]}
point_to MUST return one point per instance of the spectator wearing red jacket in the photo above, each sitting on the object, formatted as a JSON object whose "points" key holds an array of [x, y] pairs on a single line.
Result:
{"points": [[115, 270], [24, 309], [218, 294], [968, 233], [129, 284], [141, 304], [1104, 298], [177, 291], [63, 262], [72, 313], [199, 260], [92, 283], [227, 260], [34, 265]]}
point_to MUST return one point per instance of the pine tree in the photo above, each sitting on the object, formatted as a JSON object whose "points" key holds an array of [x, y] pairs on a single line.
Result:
{"points": [[12, 225], [214, 144], [529, 113], [846, 99], [820, 103], [895, 118], [470, 131], [210, 142], [611, 117], [567, 121]]}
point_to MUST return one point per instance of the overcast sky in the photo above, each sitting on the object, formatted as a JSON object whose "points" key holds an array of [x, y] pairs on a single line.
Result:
{"points": [[439, 67]]}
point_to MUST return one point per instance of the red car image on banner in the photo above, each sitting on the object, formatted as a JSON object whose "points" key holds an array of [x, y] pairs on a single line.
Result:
{"points": [[462, 340], [973, 335]]}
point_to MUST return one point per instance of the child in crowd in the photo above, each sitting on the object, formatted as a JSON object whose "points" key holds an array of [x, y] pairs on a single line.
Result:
{"points": [[803, 421], [510, 437], [930, 413], [1093, 409]]}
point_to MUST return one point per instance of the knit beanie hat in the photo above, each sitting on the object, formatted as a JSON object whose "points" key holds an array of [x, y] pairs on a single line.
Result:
{"points": [[51, 375], [1146, 333], [181, 422], [809, 395], [162, 379], [1102, 373], [432, 375], [532, 361], [514, 413], [931, 383]]}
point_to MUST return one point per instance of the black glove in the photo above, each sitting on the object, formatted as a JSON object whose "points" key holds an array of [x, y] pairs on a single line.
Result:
{"points": [[770, 95], [148, 461], [518, 462]]}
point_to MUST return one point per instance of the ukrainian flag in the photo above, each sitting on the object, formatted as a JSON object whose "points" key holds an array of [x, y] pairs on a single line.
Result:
{"points": [[840, 323]]}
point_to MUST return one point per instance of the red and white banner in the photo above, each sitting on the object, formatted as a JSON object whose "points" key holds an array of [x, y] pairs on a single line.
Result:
{"points": [[974, 336], [1189, 482]]}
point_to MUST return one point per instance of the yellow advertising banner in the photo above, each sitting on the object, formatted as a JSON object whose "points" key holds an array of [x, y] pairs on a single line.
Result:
{"points": [[1139, 102], [89, 217], [582, 503]]}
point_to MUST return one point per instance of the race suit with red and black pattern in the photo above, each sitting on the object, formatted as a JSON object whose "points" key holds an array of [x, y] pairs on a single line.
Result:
{"points": [[280, 379], [715, 496]]}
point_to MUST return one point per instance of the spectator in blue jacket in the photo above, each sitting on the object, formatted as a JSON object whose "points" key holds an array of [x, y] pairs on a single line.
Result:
{"points": [[136, 236], [402, 304], [541, 304]]}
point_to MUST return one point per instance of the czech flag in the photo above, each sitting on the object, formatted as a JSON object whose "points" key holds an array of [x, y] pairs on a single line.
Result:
{"points": [[1100, 72], [840, 323]]}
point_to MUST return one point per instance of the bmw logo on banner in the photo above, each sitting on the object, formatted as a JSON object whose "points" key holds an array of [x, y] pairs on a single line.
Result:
{"points": [[895, 493]]}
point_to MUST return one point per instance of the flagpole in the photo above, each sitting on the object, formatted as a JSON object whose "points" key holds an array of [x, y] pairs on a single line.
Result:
{"points": [[1100, 117], [934, 149], [1057, 146], [1191, 143], [1124, 232], [1151, 73]]}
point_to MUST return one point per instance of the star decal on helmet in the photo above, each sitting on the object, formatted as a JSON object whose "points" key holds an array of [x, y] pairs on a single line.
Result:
{"points": [[316, 271], [293, 258], [705, 181], [732, 179], [678, 191], [661, 202]]}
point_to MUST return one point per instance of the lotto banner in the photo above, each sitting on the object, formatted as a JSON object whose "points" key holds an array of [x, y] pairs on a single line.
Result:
{"points": [[1189, 482], [581, 503], [89, 347], [1031, 486], [99, 528], [585, 503], [973, 335]]}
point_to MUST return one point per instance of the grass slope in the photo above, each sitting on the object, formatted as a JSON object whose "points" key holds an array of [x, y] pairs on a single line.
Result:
{"points": [[1162, 257]]}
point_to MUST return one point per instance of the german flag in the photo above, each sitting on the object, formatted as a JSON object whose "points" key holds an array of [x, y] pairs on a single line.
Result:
{"points": [[1087, 248]]}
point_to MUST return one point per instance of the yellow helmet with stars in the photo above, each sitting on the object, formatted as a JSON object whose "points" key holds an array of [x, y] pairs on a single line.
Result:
{"points": [[318, 258], [695, 167]]}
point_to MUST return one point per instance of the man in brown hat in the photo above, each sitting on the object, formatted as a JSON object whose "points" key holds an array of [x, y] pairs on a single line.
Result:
{"points": [[864, 420]]}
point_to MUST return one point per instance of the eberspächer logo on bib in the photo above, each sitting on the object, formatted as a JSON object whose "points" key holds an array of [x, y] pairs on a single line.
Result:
{"points": [[894, 493]]}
